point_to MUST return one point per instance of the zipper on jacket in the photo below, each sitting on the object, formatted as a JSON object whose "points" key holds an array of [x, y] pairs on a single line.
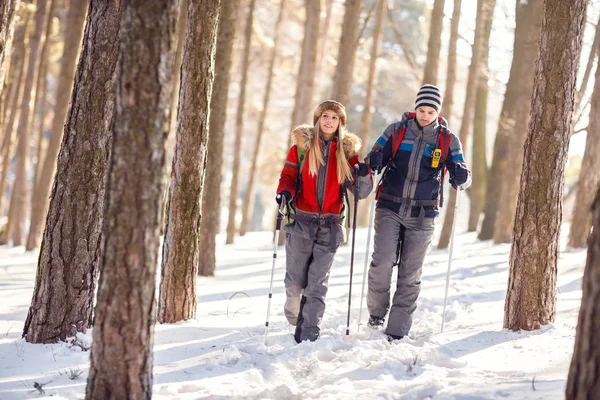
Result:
{"points": [[322, 183], [415, 171]]}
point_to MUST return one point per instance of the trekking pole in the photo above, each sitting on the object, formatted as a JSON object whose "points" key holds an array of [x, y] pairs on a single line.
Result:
{"points": [[356, 187], [371, 211], [277, 228], [450, 257]]}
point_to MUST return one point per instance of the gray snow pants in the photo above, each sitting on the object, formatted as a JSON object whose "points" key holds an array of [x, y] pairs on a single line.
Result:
{"points": [[414, 239], [309, 256]]}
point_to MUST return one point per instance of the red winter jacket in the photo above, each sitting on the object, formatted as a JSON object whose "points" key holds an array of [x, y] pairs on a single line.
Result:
{"points": [[307, 197]]}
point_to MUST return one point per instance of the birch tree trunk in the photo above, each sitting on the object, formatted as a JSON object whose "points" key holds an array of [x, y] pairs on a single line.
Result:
{"points": [[121, 354], [531, 294]]}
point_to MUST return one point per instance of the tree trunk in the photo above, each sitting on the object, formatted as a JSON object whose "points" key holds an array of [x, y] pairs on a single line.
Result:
{"points": [[434, 44], [517, 95], [8, 10], [40, 96], [211, 197], [70, 253], [121, 355], [467, 117], [249, 196], [21, 179], [321, 78], [74, 22], [479, 167], [451, 69], [305, 79], [531, 295], [20, 56], [180, 247], [589, 174], [507, 205], [367, 114], [584, 379], [170, 145], [239, 127], [588, 71], [347, 50]]}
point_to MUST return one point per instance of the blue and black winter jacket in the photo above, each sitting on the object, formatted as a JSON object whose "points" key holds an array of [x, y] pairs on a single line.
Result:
{"points": [[410, 176]]}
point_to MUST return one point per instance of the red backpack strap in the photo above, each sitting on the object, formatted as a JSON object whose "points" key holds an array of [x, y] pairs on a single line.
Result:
{"points": [[397, 140], [445, 148]]}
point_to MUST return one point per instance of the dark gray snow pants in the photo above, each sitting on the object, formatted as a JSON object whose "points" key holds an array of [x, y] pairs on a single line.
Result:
{"points": [[415, 238], [309, 256]]}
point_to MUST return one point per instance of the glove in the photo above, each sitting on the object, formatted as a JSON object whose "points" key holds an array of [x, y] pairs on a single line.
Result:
{"points": [[362, 170], [458, 176], [283, 195], [376, 160]]}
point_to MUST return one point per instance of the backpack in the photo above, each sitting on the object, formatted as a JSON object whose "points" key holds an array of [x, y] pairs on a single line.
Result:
{"points": [[443, 149]]}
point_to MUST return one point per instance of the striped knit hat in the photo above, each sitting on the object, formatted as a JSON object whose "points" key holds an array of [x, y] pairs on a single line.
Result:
{"points": [[429, 95]]}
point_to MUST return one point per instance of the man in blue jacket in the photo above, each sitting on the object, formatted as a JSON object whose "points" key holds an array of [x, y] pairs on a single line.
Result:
{"points": [[416, 151]]}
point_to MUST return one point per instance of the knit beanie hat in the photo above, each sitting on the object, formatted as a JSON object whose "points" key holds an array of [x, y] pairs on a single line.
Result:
{"points": [[334, 106], [429, 95]]}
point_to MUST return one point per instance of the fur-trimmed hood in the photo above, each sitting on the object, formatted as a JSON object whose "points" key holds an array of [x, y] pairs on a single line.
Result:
{"points": [[303, 134]]}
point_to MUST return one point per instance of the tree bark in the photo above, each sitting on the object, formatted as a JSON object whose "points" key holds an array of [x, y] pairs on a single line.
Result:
{"points": [[180, 246], [347, 50], [531, 295], [249, 195], [584, 379], [510, 187], [517, 95], [305, 79], [8, 10], [588, 71], [40, 95], [323, 46], [434, 44], [21, 180], [467, 117], [70, 253], [367, 114], [479, 167], [239, 127], [211, 197], [589, 174], [121, 355], [20, 63], [75, 20]]}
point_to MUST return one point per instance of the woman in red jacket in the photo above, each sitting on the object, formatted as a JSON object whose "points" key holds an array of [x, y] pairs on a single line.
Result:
{"points": [[319, 167]]}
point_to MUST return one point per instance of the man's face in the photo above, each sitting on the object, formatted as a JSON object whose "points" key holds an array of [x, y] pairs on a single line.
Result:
{"points": [[426, 115]]}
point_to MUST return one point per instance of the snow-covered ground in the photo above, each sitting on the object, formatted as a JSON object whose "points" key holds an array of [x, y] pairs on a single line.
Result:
{"points": [[222, 354]]}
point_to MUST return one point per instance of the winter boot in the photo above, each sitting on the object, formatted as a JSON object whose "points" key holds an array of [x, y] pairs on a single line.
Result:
{"points": [[391, 337], [376, 322]]}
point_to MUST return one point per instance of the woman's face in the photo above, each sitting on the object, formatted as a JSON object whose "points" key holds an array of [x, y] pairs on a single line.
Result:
{"points": [[426, 115], [329, 123]]}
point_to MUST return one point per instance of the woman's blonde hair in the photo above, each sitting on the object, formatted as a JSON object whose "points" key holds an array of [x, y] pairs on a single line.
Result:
{"points": [[315, 153]]}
